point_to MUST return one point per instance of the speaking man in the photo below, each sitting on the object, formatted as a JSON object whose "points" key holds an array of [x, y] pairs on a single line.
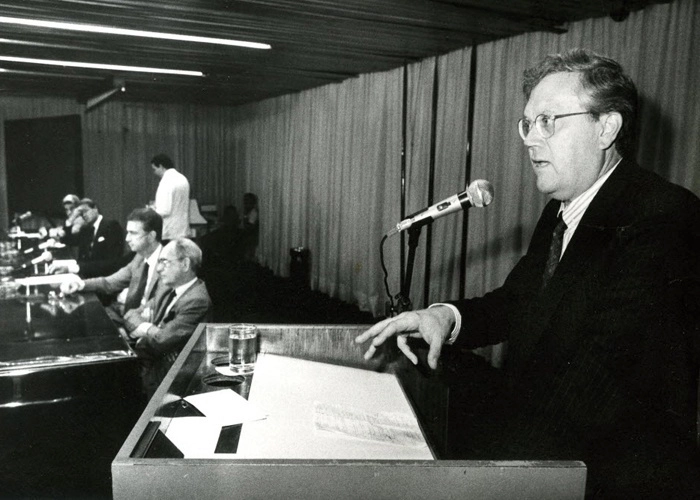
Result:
{"points": [[602, 313]]}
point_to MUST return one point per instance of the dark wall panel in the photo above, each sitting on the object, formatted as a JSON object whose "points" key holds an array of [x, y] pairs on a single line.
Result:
{"points": [[44, 163]]}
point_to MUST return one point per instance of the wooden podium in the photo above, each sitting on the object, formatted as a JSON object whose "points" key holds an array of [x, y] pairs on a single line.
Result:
{"points": [[150, 466]]}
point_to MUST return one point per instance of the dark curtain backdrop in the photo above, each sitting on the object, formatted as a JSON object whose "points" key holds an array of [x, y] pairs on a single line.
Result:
{"points": [[325, 163]]}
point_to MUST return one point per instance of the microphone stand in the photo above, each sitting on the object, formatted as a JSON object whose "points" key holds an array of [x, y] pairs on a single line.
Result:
{"points": [[403, 302]]}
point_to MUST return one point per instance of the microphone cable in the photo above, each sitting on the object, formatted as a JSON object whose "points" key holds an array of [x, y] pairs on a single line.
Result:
{"points": [[386, 273]]}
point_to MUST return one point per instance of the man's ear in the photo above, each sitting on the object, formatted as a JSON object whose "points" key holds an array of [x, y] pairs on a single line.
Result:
{"points": [[611, 124], [188, 263]]}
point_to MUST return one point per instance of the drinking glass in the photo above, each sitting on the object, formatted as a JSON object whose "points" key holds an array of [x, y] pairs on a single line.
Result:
{"points": [[242, 348]]}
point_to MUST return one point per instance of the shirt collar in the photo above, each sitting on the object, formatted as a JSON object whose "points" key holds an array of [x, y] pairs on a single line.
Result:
{"points": [[183, 288], [152, 259], [572, 211], [96, 224]]}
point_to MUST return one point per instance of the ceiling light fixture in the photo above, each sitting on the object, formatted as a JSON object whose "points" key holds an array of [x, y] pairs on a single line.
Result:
{"points": [[111, 67], [118, 85], [90, 28]]}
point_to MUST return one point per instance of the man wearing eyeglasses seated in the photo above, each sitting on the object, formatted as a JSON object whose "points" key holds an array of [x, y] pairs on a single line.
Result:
{"points": [[602, 314], [161, 327]]}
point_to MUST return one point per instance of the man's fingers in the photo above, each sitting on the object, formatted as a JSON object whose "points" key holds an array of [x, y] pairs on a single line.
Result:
{"points": [[434, 353], [373, 331], [402, 343]]}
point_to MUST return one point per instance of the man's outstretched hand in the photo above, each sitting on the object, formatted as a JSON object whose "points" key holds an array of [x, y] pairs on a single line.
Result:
{"points": [[432, 325]]}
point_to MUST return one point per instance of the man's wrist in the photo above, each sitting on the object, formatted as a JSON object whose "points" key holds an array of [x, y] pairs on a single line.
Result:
{"points": [[457, 321]]}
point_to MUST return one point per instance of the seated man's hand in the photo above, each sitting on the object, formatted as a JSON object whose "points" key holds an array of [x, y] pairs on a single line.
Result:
{"points": [[70, 287], [133, 318], [57, 232], [77, 224], [61, 267], [432, 325], [141, 330]]}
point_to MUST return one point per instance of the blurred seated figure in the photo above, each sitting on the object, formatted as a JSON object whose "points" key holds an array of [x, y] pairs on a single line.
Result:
{"points": [[70, 205], [31, 222], [161, 327], [100, 243], [250, 226], [223, 246]]}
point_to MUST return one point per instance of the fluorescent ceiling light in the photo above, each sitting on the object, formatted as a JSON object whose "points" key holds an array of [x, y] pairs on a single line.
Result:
{"points": [[111, 67], [90, 28]]}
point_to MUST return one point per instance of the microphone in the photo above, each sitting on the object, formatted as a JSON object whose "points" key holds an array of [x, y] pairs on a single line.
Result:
{"points": [[41, 246], [44, 257], [478, 194]]}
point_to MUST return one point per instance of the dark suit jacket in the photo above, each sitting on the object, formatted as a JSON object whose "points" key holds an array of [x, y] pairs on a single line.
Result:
{"points": [[160, 347], [603, 364], [105, 254]]}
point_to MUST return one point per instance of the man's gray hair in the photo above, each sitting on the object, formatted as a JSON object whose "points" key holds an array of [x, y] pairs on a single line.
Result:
{"points": [[185, 247]]}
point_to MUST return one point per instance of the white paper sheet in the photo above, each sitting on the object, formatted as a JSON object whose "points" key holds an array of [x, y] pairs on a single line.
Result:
{"points": [[383, 427], [291, 391], [195, 437], [49, 279], [225, 407]]}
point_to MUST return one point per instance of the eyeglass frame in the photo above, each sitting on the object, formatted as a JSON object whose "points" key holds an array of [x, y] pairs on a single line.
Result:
{"points": [[166, 262], [540, 117]]}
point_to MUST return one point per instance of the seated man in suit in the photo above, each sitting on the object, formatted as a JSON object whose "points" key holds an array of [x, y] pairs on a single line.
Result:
{"points": [[138, 278], [100, 244], [161, 327]]}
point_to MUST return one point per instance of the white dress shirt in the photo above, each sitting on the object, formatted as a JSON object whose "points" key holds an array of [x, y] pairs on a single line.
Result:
{"points": [[173, 204]]}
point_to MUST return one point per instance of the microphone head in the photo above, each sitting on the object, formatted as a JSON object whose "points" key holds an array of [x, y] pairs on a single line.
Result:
{"points": [[480, 192]]}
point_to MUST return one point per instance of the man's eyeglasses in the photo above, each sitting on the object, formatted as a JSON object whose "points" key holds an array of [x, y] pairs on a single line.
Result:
{"points": [[167, 262], [543, 123]]}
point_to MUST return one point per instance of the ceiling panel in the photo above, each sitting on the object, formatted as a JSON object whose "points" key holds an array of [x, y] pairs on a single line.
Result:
{"points": [[314, 42]]}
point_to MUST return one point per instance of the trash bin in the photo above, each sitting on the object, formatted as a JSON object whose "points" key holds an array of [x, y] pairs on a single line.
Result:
{"points": [[299, 266]]}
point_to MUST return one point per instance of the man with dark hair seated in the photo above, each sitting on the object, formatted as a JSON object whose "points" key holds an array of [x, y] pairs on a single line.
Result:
{"points": [[138, 278], [100, 244]]}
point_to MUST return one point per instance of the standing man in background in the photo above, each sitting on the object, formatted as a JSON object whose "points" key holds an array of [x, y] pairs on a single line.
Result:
{"points": [[172, 198]]}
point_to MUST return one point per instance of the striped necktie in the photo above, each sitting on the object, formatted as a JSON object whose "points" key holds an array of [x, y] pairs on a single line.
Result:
{"points": [[554, 250]]}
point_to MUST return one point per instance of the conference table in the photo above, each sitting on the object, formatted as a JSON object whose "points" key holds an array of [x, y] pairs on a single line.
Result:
{"points": [[315, 421], [69, 391]]}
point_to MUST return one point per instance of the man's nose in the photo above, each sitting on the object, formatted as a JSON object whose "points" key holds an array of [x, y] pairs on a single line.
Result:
{"points": [[532, 137]]}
